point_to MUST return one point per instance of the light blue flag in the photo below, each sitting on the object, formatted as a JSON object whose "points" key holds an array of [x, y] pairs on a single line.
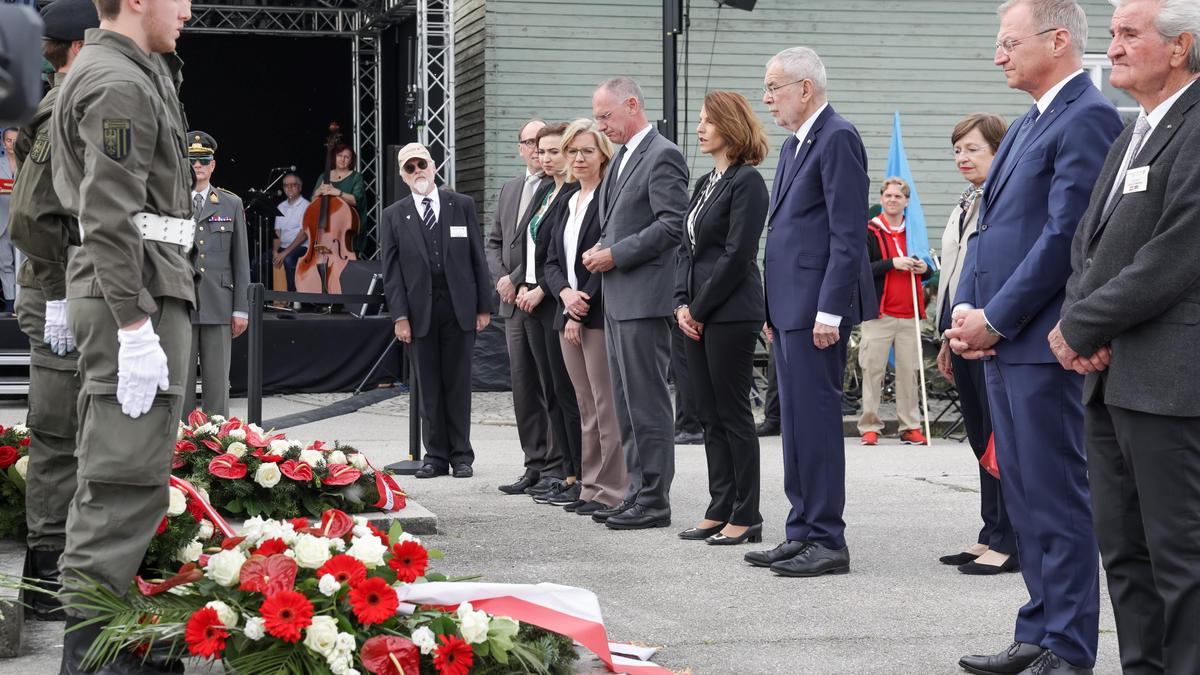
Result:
{"points": [[916, 235]]}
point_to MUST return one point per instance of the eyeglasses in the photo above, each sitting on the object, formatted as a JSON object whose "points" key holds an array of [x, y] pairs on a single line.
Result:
{"points": [[770, 89], [586, 152], [604, 117], [1011, 43], [413, 166], [528, 142], [202, 161], [970, 150]]}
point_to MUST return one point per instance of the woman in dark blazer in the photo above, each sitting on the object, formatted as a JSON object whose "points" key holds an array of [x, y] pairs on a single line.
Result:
{"points": [[580, 318], [720, 307]]}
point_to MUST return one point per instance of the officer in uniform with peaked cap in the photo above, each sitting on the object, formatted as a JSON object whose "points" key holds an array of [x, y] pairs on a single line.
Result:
{"points": [[42, 229], [222, 265]]}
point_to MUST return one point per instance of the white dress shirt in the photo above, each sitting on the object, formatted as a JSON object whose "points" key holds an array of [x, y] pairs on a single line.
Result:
{"points": [[435, 204], [632, 145], [575, 214], [291, 222]]}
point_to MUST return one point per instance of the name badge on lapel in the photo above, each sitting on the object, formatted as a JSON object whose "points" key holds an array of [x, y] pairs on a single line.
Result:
{"points": [[458, 230], [1137, 179]]}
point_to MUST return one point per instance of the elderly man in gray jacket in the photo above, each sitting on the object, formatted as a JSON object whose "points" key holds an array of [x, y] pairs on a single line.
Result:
{"points": [[642, 204]]}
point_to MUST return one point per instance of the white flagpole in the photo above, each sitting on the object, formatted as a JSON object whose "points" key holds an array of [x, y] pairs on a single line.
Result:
{"points": [[920, 359]]}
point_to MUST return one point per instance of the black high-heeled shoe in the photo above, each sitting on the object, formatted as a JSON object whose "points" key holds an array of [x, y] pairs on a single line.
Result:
{"points": [[978, 569], [753, 534], [698, 533], [957, 559]]}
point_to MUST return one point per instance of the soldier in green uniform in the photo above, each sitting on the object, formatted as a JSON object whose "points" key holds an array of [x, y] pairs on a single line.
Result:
{"points": [[222, 276], [118, 147], [42, 229]]}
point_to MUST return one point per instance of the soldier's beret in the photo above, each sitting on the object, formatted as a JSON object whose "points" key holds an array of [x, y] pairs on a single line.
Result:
{"points": [[201, 144], [66, 20]]}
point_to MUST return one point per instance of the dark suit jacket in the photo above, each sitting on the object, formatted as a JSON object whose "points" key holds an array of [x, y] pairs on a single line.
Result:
{"points": [[1018, 261], [501, 245], [555, 268], [1135, 284], [719, 279], [816, 257], [407, 278]]}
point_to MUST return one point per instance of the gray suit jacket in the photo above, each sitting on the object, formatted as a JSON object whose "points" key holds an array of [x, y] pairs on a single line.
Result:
{"points": [[1135, 285], [641, 220], [505, 244], [222, 259]]}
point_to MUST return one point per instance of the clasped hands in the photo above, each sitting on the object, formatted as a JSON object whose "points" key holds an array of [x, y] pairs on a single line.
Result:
{"points": [[690, 327], [969, 336], [1069, 359], [597, 259]]}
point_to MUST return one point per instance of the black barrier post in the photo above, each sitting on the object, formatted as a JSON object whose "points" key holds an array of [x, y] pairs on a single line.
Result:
{"points": [[410, 465], [254, 354]]}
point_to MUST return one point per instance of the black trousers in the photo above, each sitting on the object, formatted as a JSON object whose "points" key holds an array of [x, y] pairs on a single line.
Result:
{"points": [[1144, 474], [687, 412], [771, 398], [997, 532], [722, 372], [565, 423], [443, 359]]}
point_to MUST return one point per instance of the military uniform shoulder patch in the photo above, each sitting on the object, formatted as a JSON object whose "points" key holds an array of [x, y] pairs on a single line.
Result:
{"points": [[118, 135], [39, 153]]}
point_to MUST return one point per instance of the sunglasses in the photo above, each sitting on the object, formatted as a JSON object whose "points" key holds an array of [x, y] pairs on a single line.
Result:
{"points": [[410, 167], [203, 161]]}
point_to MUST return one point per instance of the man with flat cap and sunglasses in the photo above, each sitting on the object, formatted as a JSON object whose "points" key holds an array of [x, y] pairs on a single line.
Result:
{"points": [[439, 294]]}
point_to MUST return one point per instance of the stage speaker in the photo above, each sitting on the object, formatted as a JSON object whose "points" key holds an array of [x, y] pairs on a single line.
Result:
{"points": [[363, 277], [747, 5]]}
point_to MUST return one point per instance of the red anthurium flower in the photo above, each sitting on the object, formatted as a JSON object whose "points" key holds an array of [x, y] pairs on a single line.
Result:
{"points": [[8, 456], [410, 560], [299, 524], [212, 445], [317, 445], [335, 524], [268, 574], [341, 474], [231, 424], [270, 547], [177, 461], [196, 418], [345, 569], [391, 655], [373, 601], [297, 471], [286, 614], [230, 542], [185, 446], [187, 574], [205, 634], [227, 466], [453, 656]]}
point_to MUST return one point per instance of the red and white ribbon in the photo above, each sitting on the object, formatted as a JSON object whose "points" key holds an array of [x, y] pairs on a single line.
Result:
{"points": [[217, 521], [566, 610]]}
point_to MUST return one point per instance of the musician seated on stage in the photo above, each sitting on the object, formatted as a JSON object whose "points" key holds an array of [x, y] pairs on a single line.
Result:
{"points": [[343, 181], [291, 242]]}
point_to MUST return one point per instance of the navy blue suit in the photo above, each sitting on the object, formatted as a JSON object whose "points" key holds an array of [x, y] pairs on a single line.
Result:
{"points": [[1016, 271], [816, 260]]}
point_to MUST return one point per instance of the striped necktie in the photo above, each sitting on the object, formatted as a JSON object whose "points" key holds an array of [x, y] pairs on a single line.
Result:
{"points": [[428, 218]]}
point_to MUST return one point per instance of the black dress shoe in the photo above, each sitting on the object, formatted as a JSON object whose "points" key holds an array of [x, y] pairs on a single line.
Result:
{"points": [[544, 484], [784, 551], [753, 534], [768, 428], [638, 517], [518, 487], [814, 561], [556, 489], [1050, 663], [463, 471], [567, 496], [589, 508], [689, 438], [957, 559], [700, 533], [430, 471], [1018, 657], [978, 569], [604, 514], [575, 505]]}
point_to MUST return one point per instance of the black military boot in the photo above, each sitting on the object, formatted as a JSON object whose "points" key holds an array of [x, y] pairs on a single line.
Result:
{"points": [[41, 569], [76, 644]]}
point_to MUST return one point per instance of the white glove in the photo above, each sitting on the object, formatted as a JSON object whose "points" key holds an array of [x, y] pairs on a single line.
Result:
{"points": [[57, 333], [141, 366]]}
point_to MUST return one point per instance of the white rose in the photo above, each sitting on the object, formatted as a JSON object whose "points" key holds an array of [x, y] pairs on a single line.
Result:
{"points": [[225, 567], [329, 585], [346, 643], [338, 545], [177, 502], [236, 448], [217, 419], [472, 624], [237, 434], [20, 429], [252, 530], [190, 553], [424, 638], [359, 461], [311, 457], [311, 552], [206, 531], [227, 615], [206, 429], [321, 636], [22, 466], [368, 549], [256, 429], [404, 536], [336, 457], [179, 432], [279, 446], [268, 475], [362, 531], [255, 629]]}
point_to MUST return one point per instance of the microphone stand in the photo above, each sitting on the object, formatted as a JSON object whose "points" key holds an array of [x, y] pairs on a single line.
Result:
{"points": [[263, 226]]}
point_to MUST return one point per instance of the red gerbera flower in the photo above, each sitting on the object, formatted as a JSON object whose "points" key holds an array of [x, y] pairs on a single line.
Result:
{"points": [[344, 568], [205, 634], [453, 656], [285, 614], [410, 560], [391, 655], [297, 471], [270, 547], [373, 601]]}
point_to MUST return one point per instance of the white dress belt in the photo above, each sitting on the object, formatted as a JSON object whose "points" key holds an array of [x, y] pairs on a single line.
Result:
{"points": [[168, 230]]}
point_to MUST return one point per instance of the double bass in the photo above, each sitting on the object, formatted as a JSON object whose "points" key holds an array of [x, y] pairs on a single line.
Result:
{"points": [[330, 224]]}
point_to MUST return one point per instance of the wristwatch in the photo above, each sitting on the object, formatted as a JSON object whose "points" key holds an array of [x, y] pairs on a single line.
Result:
{"points": [[675, 312]]}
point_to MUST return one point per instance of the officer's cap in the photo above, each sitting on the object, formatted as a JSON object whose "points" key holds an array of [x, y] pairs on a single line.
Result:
{"points": [[66, 20], [201, 144]]}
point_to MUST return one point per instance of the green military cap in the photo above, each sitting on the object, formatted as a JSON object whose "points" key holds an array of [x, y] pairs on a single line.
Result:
{"points": [[201, 144], [66, 20]]}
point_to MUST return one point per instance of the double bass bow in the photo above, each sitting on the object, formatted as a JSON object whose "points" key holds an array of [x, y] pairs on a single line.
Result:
{"points": [[330, 224]]}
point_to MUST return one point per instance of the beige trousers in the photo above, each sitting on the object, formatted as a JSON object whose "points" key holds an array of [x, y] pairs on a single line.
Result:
{"points": [[878, 338], [604, 476]]}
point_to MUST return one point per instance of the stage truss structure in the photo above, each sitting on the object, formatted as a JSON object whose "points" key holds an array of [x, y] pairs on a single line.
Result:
{"points": [[363, 21]]}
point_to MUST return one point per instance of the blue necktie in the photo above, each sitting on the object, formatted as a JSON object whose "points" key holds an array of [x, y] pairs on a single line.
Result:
{"points": [[428, 218], [1031, 118]]}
